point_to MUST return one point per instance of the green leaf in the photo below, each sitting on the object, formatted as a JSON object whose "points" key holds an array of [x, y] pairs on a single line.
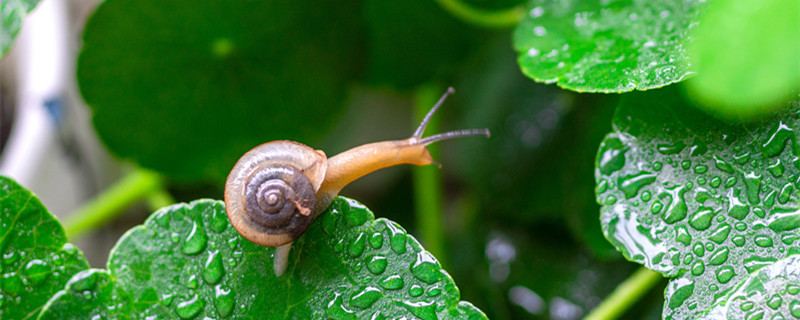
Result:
{"points": [[93, 294], [187, 261], [606, 46], [187, 87], [747, 56], [772, 292], [36, 259], [11, 14], [697, 199]]}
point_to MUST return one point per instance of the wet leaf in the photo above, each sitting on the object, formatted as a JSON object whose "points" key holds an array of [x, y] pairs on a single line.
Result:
{"points": [[93, 294], [606, 46], [747, 56], [187, 261], [11, 14], [187, 87], [36, 259], [699, 200], [772, 292]]}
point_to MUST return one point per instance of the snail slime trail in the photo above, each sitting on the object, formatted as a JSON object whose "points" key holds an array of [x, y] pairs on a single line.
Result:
{"points": [[277, 189]]}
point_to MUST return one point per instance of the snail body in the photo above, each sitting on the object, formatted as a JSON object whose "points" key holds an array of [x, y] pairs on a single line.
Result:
{"points": [[277, 189]]}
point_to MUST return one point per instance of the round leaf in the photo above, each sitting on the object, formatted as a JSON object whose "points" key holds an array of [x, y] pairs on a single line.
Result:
{"points": [[36, 259], [187, 87], [606, 46], [187, 261], [697, 199], [747, 56]]}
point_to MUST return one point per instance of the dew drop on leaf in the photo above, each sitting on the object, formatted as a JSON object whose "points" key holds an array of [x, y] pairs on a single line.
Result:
{"points": [[426, 268], [377, 264], [213, 269], [393, 282], [223, 300], [195, 241], [190, 308], [366, 297], [357, 246]]}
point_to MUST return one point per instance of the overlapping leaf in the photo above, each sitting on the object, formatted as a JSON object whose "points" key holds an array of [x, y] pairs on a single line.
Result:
{"points": [[11, 14], [699, 200], [187, 261], [606, 46], [36, 259]]}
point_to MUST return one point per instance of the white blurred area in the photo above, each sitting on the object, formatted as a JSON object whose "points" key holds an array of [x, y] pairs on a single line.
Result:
{"points": [[50, 147]]}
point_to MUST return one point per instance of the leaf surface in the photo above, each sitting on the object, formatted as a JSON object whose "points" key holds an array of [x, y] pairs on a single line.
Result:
{"points": [[696, 199], [36, 259], [186, 88], [606, 46], [187, 261]]}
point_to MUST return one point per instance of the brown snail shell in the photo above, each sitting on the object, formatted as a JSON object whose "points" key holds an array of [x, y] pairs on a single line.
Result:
{"points": [[270, 194]]}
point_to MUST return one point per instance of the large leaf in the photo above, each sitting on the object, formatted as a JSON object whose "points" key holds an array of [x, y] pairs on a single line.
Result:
{"points": [[606, 46], [187, 261], [187, 87], [747, 56], [696, 199], [36, 259], [11, 14]]}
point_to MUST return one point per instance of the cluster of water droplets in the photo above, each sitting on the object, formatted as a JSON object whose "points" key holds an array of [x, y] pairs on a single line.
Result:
{"points": [[32, 258], [379, 252], [709, 207]]}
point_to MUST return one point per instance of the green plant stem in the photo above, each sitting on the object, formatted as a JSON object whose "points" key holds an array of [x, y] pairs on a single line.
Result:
{"points": [[499, 19], [106, 206], [626, 294], [427, 180]]}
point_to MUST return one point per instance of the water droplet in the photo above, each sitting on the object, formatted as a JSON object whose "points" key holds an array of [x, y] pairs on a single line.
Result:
{"points": [[631, 184], [434, 291], [377, 264], [612, 156], [700, 169], [784, 219], [730, 182], [746, 305], [676, 204], [698, 249], [715, 182], [426, 268], [740, 226], [416, 291], [223, 300], [786, 192], [679, 290], [36, 271], [366, 297], [392, 282], [738, 240], [195, 242], [425, 310], [719, 257], [670, 149], [338, 246], [753, 263], [611, 200], [701, 219], [788, 238], [793, 288], [794, 308], [686, 164], [191, 283], [166, 298], [213, 270], [657, 166], [329, 221], [376, 240], [397, 238], [190, 308], [725, 273], [759, 212], [755, 315], [775, 302], [742, 158], [777, 141], [356, 216], [656, 207], [723, 165], [175, 237], [646, 196], [683, 235], [752, 183], [336, 310], [357, 246], [10, 257], [163, 219], [763, 241], [698, 268], [720, 234], [777, 169]]}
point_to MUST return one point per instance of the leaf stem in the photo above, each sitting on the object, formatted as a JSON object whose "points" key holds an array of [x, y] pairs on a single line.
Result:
{"points": [[427, 181], [499, 19], [626, 294], [109, 204]]}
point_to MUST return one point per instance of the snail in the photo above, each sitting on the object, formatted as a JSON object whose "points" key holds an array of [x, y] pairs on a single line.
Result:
{"points": [[277, 189]]}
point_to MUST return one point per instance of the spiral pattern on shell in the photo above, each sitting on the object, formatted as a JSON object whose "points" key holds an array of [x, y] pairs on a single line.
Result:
{"points": [[270, 195]]}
